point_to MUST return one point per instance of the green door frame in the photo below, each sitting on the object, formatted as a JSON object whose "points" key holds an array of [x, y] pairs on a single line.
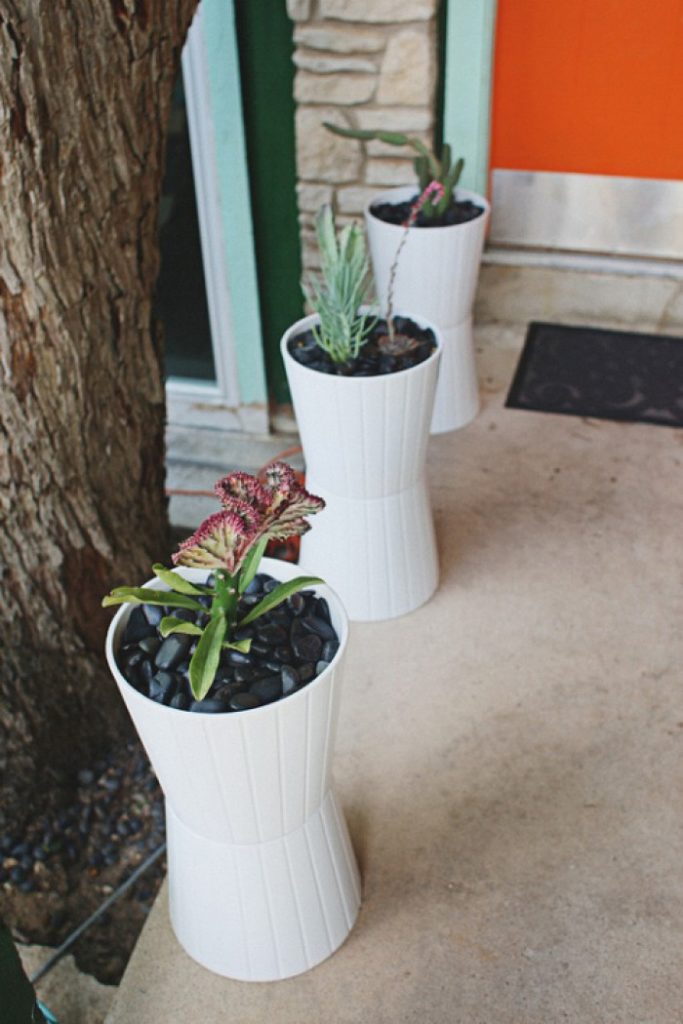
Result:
{"points": [[248, 120], [265, 39], [468, 75]]}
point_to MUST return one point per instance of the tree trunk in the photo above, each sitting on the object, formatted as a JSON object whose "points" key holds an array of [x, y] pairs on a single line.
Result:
{"points": [[85, 90]]}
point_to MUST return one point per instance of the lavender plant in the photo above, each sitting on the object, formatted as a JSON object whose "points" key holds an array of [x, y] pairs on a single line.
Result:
{"points": [[231, 544], [428, 166], [338, 295]]}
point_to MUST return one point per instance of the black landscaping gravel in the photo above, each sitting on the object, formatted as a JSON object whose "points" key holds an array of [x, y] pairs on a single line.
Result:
{"points": [[63, 866], [459, 212], [373, 360], [290, 646]]}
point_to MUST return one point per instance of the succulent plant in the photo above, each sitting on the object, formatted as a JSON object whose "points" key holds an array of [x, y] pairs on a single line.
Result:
{"points": [[230, 543], [428, 166], [337, 296]]}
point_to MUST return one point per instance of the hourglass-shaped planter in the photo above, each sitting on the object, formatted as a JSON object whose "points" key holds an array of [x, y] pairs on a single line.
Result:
{"points": [[365, 441], [263, 882], [436, 277]]}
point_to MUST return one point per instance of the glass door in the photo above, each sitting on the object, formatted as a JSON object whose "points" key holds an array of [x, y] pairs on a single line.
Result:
{"points": [[181, 300], [207, 295]]}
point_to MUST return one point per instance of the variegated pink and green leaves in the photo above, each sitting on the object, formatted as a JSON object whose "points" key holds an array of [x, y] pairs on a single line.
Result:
{"points": [[230, 544], [252, 514]]}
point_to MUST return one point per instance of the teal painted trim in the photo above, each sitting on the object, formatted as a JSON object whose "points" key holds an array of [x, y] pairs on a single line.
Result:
{"points": [[470, 30], [220, 42]]}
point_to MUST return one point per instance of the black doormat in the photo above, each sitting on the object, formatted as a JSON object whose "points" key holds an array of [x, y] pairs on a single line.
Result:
{"points": [[612, 375]]}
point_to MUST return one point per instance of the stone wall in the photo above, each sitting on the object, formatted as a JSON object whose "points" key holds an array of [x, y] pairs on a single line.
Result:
{"points": [[361, 64]]}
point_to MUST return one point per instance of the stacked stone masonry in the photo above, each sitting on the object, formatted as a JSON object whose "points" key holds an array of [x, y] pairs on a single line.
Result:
{"points": [[360, 64]]}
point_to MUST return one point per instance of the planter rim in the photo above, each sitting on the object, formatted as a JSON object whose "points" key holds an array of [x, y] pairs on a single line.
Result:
{"points": [[198, 575], [403, 192], [305, 322]]}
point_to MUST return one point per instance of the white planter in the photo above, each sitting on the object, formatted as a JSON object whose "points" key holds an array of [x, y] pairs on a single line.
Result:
{"points": [[262, 878], [364, 442], [436, 278]]}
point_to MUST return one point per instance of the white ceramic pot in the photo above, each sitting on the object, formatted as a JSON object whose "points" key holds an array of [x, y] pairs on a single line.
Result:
{"points": [[365, 442], [263, 882], [436, 278]]}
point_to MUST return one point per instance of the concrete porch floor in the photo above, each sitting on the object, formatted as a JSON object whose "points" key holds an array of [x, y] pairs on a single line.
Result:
{"points": [[510, 756]]}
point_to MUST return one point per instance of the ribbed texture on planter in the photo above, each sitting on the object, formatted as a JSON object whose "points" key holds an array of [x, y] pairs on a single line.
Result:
{"points": [[247, 777], [458, 379], [236, 785], [436, 278], [289, 903], [365, 442], [380, 553]]}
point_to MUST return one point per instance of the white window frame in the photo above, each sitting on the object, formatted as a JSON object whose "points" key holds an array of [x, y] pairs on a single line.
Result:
{"points": [[193, 402]]}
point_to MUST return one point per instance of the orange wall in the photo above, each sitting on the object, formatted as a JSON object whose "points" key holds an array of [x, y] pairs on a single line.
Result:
{"points": [[592, 86]]}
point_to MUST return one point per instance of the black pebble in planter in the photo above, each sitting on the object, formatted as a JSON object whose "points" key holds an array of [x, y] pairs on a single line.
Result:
{"points": [[286, 653], [459, 212], [414, 344]]}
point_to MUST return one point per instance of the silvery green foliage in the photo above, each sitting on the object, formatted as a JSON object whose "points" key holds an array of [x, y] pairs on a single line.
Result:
{"points": [[337, 296]]}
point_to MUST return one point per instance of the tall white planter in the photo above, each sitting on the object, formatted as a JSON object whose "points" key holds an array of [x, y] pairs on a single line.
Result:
{"points": [[364, 442], [263, 881], [436, 278]]}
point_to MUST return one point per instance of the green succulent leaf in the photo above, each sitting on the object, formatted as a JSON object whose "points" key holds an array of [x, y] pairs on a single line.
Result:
{"points": [[433, 163], [279, 595], [251, 564], [364, 134], [327, 239], [244, 646], [436, 169], [339, 293], [421, 165], [143, 595], [177, 582], [449, 184], [392, 138], [346, 242], [452, 177], [206, 657], [170, 624], [369, 135]]}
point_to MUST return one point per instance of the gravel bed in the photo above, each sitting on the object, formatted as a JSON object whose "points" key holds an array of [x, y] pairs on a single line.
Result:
{"points": [[63, 866]]}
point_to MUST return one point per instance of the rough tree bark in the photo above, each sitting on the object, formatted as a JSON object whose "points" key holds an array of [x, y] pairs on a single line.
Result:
{"points": [[85, 89]]}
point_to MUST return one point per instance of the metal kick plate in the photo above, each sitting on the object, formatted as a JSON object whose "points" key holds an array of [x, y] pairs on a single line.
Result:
{"points": [[588, 213]]}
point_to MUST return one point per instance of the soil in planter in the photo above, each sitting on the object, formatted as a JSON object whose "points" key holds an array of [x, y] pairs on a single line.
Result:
{"points": [[378, 355], [459, 212], [290, 646]]}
